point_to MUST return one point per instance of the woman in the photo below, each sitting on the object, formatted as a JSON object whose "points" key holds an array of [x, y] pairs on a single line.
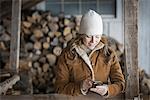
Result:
{"points": [[88, 59]]}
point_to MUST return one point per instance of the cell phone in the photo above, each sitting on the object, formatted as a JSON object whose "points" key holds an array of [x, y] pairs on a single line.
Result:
{"points": [[96, 83]]}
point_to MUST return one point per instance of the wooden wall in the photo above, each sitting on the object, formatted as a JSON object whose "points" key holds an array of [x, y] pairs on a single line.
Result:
{"points": [[114, 26], [144, 35]]}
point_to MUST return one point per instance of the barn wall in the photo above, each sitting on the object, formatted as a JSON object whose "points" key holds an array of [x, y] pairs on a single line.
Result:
{"points": [[144, 35], [114, 26]]}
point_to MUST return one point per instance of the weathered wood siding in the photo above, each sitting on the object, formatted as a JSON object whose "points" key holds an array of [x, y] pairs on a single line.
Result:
{"points": [[131, 47], [144, 35], [15, 35], [114, 26]]}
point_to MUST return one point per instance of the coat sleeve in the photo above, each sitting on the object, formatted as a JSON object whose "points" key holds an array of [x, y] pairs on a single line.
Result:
{"points": [[116, 77], [63, 83]]}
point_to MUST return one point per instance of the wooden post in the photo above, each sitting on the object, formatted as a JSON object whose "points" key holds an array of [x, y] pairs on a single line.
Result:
{"points": [[131, 47], [15, 35]]}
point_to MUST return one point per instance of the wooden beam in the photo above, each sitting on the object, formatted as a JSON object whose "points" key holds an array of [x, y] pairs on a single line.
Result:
{"points": [[131, 47], [4, 86], [15, 35], [5, 8]]}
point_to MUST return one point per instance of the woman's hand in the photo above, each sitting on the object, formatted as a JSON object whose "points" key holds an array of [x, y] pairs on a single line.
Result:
{"points": [[102, 90], [86, 84]]}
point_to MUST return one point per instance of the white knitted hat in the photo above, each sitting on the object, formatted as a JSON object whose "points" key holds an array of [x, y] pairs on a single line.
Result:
{"points": [[91, 24]]}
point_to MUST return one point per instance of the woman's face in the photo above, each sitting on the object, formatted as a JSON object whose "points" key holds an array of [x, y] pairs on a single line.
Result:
{"points": [[91, 41]]}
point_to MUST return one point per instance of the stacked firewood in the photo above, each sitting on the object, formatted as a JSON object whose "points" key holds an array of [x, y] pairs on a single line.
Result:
{"points": [[4, 43], [144, 84], [43, 36]]}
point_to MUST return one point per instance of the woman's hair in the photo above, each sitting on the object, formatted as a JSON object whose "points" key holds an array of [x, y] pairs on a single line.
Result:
{"points": [[77, 41]]}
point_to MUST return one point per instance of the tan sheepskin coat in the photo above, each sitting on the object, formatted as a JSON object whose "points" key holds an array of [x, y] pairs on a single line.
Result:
{"points": [[74, 66]]}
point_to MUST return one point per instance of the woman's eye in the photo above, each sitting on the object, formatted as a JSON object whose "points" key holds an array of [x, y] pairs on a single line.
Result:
{"points": [[97, 36], [89, 36]]}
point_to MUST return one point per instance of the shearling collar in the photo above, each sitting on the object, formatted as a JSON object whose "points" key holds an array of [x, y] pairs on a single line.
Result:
{"points": [[83, 54], [86, 49], [99, 46]]}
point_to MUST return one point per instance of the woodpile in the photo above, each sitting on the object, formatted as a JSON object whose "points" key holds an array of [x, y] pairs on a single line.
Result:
{"points": [[43, 36], [144, 80]]}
